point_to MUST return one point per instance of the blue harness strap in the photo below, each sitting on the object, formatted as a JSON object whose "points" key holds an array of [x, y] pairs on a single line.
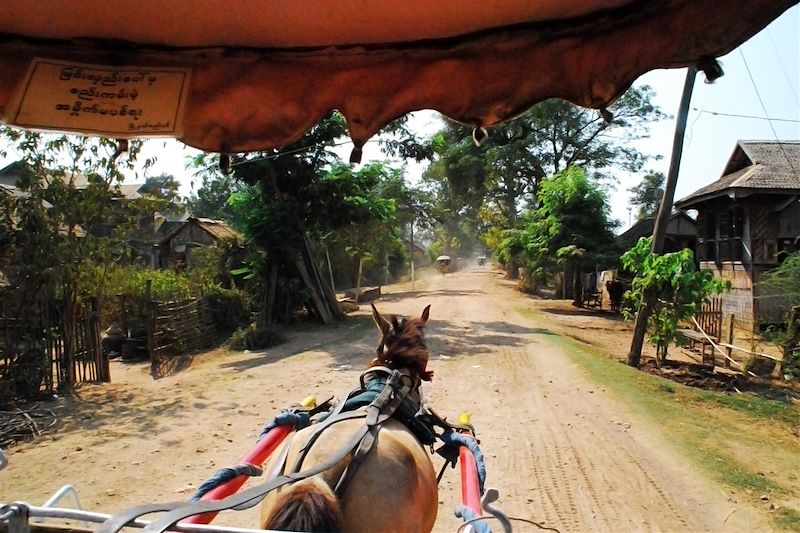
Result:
{"points": [[479, 525], [298, 419], [224, 475], [456, 439]]}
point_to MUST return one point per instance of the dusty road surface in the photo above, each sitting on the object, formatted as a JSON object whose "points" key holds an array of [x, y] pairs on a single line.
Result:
{"points": [[561, 450]]}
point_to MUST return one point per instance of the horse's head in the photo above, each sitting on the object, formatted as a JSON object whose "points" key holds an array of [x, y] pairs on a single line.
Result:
{"points": [[403, 342]]}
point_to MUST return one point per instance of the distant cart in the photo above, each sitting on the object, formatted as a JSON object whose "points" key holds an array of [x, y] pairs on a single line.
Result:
{"points": [[444, 264]]}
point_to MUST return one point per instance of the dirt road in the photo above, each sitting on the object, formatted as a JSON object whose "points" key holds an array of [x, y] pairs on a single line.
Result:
{"points": [[560, 450]]}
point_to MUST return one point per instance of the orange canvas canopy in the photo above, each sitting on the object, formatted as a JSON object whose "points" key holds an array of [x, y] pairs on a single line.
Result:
{"points": [[227, 76]]}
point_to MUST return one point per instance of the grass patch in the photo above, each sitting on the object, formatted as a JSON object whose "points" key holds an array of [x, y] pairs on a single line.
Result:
{"points": [[780, 411], [787, 519], [746, 442]]}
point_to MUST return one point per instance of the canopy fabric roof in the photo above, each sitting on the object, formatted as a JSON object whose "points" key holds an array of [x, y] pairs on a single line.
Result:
{"points": [[243, 76]]}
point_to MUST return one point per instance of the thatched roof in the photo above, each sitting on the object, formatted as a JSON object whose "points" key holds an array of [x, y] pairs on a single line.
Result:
{"points": [[768, 167]]}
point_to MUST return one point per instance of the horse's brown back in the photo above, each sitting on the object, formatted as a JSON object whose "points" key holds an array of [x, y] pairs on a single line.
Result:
{"points": [[394, 489]]}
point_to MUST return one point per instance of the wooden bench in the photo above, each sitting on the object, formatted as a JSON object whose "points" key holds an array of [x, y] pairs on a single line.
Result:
{"points": [[709, 320], [591, 298], [367, 294]]}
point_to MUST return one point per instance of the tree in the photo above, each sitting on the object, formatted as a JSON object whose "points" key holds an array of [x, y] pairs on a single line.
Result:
{"points": [[163, 186], [784, 282], [370, 229], [570, 228], [554, 135], [455, 180], [501, 178], [675, 285], [646, 196], [212, 198], [296, 198]]}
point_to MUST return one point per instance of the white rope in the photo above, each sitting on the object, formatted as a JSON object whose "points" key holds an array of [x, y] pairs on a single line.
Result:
{"points": [[716, 346]]}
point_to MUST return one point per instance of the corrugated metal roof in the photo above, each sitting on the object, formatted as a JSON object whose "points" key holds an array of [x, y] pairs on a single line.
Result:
{"points": [[754, 166]]}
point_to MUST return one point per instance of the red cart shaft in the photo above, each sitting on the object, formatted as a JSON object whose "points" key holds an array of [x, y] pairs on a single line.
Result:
{"points": [[260, 452], [470, 487]]}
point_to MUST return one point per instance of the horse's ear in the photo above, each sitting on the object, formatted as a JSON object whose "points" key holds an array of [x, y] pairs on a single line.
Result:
{"points": [[384, 325], [425, 313]]}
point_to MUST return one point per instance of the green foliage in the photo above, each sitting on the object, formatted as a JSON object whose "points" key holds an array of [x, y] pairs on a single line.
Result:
{"points": [[132, 280], [228, 308], [646, 196], [506, 171], [673, 283], [163, 186], [571, 227], [64, 220], [303, 200], [212, 199], [785, 280], [456, 184]]}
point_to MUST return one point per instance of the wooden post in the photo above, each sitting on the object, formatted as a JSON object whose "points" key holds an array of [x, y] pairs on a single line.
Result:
{"points": [[412, 254], [103, 364], [150, 321], [730, 341], [664, 210], [358, 279], [330, 269]]}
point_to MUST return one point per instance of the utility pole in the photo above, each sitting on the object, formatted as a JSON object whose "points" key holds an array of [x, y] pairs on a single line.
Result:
{"points": [[664, 210]]}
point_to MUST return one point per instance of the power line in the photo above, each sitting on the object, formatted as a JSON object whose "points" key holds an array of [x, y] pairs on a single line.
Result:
{"points": [[761, 101], [783, 67], [718, 113]]}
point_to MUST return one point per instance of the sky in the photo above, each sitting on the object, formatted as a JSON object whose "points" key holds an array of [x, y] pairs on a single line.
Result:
{"points": [[758, 98]]}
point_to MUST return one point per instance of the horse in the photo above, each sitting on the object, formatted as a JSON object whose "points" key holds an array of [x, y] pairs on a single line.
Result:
{"points": [[386, 483]]}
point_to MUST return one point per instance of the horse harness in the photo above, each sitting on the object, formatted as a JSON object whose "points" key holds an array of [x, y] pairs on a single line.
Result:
{"points": [[393, 399]]}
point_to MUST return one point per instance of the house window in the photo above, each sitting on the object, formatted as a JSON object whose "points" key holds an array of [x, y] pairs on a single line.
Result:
{"points": [[707, 249], [772, 250], [721, 235], [731, 231]]}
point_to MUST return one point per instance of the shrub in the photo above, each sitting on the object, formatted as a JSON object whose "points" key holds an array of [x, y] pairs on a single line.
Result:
{"points": [[228, 309], [252, 338]]}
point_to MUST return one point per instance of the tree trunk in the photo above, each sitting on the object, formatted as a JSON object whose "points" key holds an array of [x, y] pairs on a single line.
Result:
{"points": [[316, 296], [412, 255], [511, 269], [322, 297], [640, 328], [68, 325], [358, 278], [577, 285], [330, 269], [271, 294]]}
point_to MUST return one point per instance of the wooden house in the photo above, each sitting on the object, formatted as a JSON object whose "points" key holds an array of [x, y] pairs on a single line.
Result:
{"points": [[681, 233], [748, 221], [176, 248]]}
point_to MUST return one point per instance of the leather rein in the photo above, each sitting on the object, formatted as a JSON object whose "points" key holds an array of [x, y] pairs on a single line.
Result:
{"points": [[397, 389]]}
